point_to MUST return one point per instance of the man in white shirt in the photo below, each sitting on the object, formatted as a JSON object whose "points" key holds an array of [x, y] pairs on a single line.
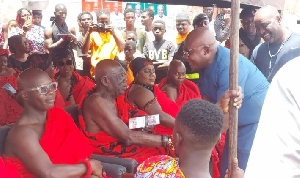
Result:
{"points": [[94, 13], [116, 18], [276, 148], [138, 13], [209, 12], [160, 13]]}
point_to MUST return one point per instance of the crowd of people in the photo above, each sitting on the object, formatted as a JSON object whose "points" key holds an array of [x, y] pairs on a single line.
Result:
{"points": [[135, 72]]}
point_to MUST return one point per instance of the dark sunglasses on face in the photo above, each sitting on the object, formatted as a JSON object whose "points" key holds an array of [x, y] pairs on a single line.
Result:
{"points": [[44, 89], [62, 63]]}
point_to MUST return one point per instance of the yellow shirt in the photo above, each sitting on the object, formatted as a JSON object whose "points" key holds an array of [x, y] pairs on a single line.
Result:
{"points": [[103, 46]]}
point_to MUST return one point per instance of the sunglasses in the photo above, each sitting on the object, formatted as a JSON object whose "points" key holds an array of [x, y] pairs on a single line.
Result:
{"points": [[44, 89], [62, 63]]}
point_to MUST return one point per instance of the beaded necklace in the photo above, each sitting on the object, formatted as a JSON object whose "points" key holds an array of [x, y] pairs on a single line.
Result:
{"points": [[145, 86]]}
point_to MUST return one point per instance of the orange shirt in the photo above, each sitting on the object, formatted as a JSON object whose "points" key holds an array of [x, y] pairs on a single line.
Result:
{"points": [[129, 74], [103, 46], [181, 38]]}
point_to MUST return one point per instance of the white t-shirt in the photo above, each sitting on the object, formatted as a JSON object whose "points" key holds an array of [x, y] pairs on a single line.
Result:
{"points": [[117, 20], [276, 148], [121, 55]]}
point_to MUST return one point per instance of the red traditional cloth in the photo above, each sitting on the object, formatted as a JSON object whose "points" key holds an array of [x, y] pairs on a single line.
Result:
{"points": [[10, 110], [105, 144], [83, 85], [8, 169], [188, 90], [63, 142], [168, 106]]}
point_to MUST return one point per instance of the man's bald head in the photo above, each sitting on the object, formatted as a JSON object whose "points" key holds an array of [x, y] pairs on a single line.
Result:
{"points": [[107, 67], [110, 78], [199, 35], [175, 64], [59, 7], [267, 11], [200, 48], [176, 73], [268, 24], [30, 96], [31, 78]]}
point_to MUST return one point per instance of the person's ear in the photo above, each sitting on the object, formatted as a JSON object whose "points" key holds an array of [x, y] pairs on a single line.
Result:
{"points": [[279, 19], [104, 80], [206, 50], [179, 140], [23, 95]]}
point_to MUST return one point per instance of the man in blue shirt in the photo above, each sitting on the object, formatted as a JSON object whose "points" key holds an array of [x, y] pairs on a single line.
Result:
{"points": [[212, 61]]}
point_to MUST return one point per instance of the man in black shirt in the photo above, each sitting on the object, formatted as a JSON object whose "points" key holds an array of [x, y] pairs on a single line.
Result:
{"points": [[280, 46]]}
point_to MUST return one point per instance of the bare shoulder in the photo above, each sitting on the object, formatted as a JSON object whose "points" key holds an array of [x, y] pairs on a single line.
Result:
{"points": [[48, 31], [18, 137], [168, 88], [138, 90], [96, 103], [72, 30]]}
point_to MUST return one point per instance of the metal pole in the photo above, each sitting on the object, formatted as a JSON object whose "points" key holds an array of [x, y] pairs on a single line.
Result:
{"points": [[233, 81]]}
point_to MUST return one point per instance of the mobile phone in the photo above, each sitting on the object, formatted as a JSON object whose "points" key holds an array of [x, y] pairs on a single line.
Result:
{"points": [[10, 88], [28, 19]]}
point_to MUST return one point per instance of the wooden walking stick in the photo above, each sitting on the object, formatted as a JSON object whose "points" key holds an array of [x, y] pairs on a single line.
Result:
{"points": [[233, 82]]}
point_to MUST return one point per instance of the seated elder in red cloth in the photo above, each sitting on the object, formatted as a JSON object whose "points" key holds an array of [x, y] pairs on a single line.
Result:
{"points": [[176, 87], [72, 86], [104, 118], [10, 110], [44, 62], [45, 141], [144, 95]]}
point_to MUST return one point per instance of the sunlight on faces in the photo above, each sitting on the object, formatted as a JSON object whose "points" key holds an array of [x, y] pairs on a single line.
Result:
{"points": [[248, 25], [182, 27], [24, 16], [129, 18], [129, 50], [158, 29], [268, 29], [65, 67], [103, 18], [146, 75], [198, 54], [176, 73], [86, 20], [267, 22], [145, 18], [117, 81], [61, 13], [39, 92]]}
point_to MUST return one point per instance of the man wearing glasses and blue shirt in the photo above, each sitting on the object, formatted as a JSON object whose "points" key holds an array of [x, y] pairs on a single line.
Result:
{"points": [[212, 61]]}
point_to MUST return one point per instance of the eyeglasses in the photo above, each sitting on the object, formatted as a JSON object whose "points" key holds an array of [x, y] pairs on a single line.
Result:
{"points": [[62, 63], [44, 89], [187, 53]]}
